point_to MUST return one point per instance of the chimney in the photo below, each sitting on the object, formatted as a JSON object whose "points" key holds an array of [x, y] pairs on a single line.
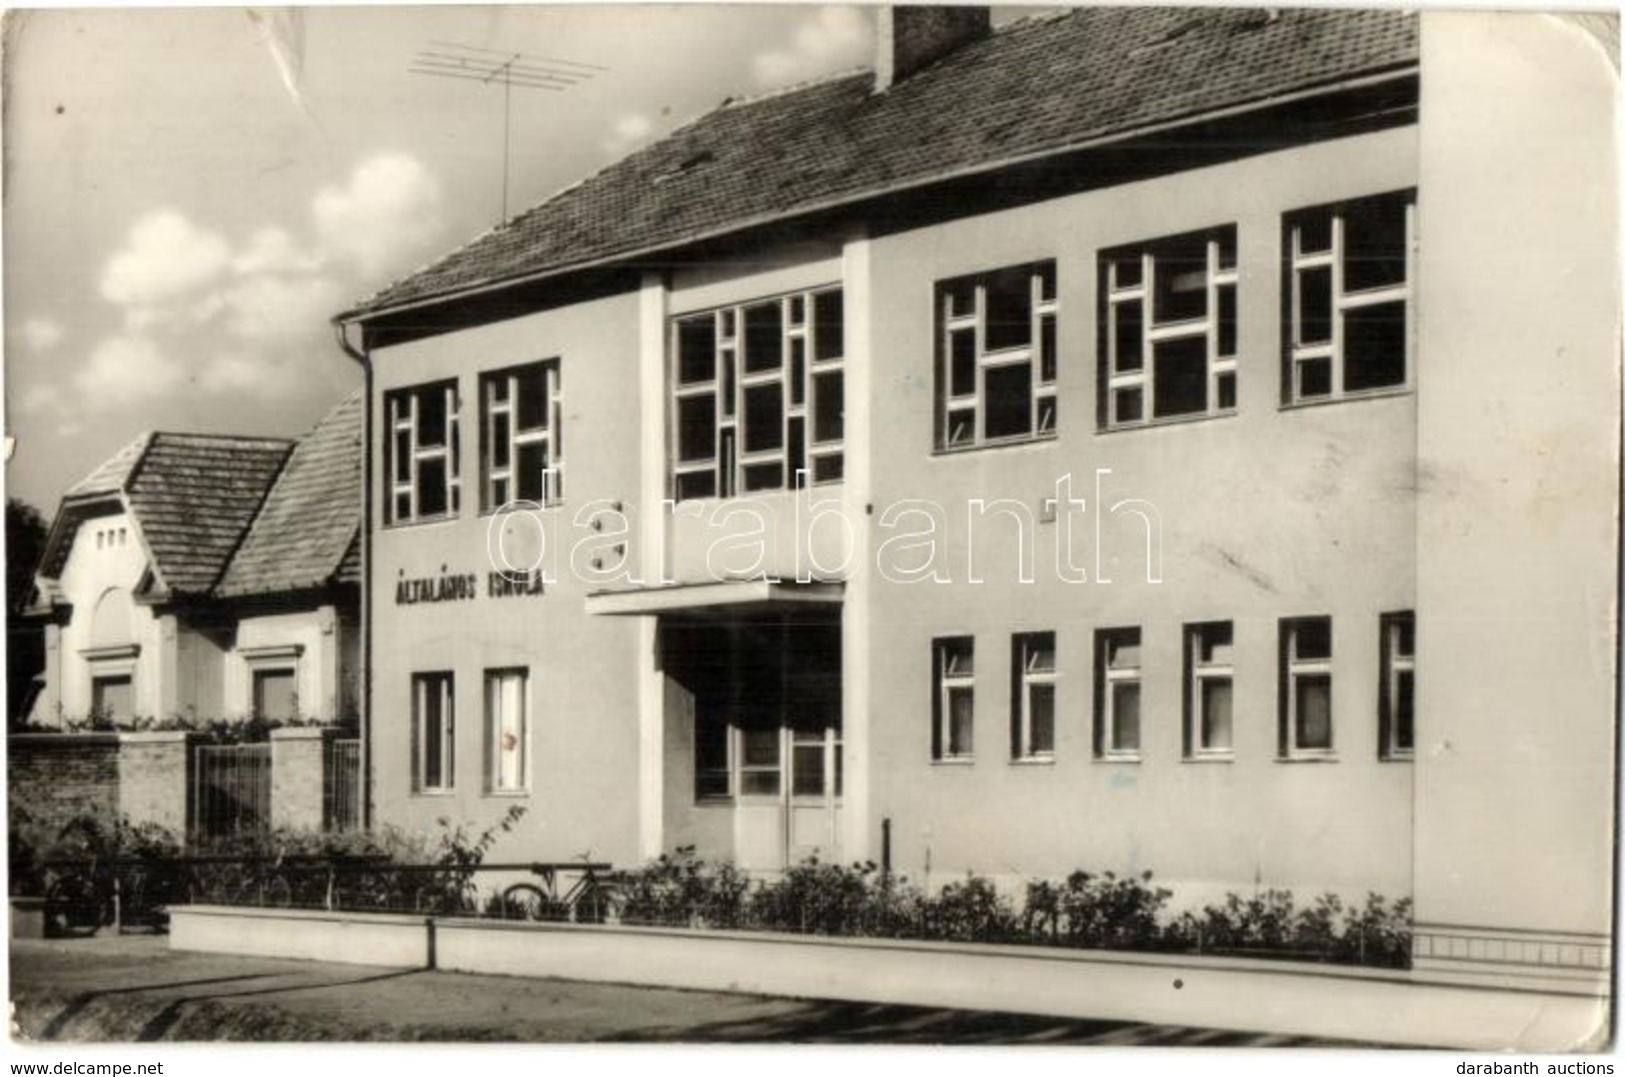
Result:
{"points": [[912, 36]]}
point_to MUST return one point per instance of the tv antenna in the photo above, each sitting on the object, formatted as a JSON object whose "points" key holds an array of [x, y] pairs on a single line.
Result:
{"points": [[498, 67]]}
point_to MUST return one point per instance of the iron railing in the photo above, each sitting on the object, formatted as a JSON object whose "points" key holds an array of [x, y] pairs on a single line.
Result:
{"points": [[231, 791], [341, 786]]}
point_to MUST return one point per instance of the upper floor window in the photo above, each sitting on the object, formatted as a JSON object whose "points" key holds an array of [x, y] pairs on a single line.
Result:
{"points": [[1306, 687], [1398, 702], [1349, 272], [954, 703], [1032, 690], [521, 436], [1168, 329], [996, 357], [421, 448], [759, 399]]}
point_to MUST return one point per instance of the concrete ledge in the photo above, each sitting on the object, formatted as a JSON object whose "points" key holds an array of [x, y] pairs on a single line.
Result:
{"points": [[1372, 1005], [392, 940]]}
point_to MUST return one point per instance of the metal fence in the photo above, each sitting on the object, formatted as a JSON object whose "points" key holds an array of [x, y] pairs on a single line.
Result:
{"points": [[341, 786], [232, 794]]}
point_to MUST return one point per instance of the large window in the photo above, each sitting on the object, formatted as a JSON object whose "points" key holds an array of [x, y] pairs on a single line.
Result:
{"points": [[1347, 301], [521, 436], [434, 732], [1117, 693], [1209, 700], [507, 730], [954, 698], [1168, 330], [996, 357], [759, 396], [421, 447], [1032, 696], [1306, 687], [1398, 702]]}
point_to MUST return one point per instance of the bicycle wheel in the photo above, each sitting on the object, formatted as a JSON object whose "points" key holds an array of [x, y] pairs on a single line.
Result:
{"points": [[522, 901], [75, 905]]}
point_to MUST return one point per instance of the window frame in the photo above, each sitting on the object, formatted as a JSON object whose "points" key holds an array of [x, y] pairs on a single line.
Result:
{"points": [[494, 783], [800, 376], [256, 681], [946, 681], [1042, 278], [1024, 678], [399, 421], [1293, 670], [1395, 662], [444, 684], [99, 681], [1197, 675], [1107, 676], [1218, 275], [1296, 261], [552, 435]]}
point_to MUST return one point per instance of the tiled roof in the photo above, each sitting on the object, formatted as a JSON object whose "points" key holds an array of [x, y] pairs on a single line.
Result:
{"points": [[110, 477], [1036, 86], [194, 496], [303, 535]]}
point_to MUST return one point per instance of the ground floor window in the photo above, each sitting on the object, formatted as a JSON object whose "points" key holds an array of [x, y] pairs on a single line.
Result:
{"points": [[954, 701], [1117, 693], [1306, 687], [1397, 706], [507, 706], [1209, 677], [1032, 704], [276, 694], [434, 732], [112, 698]]}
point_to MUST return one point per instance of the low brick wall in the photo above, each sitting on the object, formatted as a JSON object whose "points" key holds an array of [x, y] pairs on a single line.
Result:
{"points": [[55, 777], [155, 779], [149, 777]]}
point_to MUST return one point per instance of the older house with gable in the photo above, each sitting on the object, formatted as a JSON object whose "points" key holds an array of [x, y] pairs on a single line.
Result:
{"points": [[195, 577]]}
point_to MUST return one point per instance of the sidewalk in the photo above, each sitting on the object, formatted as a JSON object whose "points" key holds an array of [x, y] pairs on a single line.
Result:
{"points": [[135, 989]]}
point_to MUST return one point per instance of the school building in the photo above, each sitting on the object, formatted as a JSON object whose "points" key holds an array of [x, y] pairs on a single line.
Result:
{"points": [[1121, 439]]}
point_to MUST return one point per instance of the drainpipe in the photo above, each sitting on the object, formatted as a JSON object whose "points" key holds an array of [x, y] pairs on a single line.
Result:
{"points": [[364, 359]]}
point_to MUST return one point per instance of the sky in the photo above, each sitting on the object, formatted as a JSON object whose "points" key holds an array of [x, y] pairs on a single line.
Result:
{"points": [[180, 225]]}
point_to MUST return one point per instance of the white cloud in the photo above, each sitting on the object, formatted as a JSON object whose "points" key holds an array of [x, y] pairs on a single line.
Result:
{"points": [[41, 334], [124, 369], [389, 210], [204, 315], [164, 258], [627, 132], [828, 40]]}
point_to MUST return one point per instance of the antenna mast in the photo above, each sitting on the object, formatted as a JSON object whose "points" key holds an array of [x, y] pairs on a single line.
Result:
{"points": [[492, 67]]}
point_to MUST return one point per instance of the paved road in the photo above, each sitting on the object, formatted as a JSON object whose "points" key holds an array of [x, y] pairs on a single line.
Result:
{"points": [[134, 988]]}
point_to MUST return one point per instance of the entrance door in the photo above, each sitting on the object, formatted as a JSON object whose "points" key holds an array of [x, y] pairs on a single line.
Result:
{"points": [[788, 778]]}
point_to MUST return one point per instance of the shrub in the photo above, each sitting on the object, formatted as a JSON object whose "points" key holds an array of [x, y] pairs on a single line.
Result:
{"points": [[1106, 911], [819, 899], [969, 911], [682, 890]]}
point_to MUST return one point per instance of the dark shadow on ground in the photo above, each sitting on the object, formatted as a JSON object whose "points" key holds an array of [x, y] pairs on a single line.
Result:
{"points": [[853, 1022]]}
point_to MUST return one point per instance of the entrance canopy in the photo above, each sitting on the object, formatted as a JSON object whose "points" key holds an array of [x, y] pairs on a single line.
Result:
{"points": [[726, 598]]}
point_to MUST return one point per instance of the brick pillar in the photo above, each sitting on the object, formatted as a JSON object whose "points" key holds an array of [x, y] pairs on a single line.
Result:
{"points": [[298, 773], [155, 779]]}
